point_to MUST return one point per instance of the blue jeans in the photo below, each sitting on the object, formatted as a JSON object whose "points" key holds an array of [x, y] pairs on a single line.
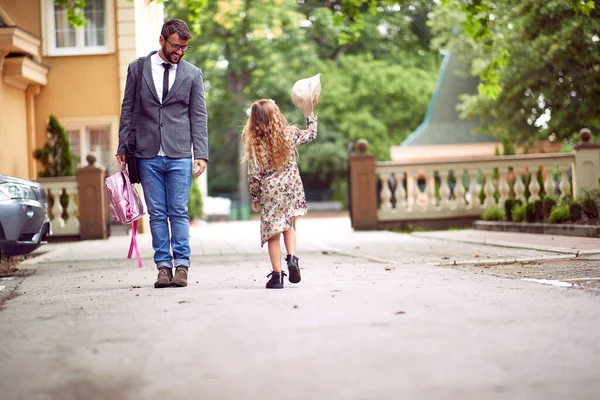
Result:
{"points": [[166, 182]]}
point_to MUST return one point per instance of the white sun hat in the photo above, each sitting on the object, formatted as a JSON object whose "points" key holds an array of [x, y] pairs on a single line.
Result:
{"points": [[304, 91]]}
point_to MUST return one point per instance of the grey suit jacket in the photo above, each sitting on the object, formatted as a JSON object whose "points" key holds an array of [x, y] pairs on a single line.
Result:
{"points": [[176, 124]]}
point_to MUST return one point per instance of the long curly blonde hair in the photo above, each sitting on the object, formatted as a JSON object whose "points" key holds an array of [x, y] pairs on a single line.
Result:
{"points": [[265, 139]]}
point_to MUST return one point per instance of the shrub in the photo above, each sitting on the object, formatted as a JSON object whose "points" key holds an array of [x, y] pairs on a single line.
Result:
{"points": [[539, 210], [565, 199], [508, 206], [518, 212], [559, 214], [339, 188], [575, 211], [507, 147], [493, 213], [590, 202], [55, 156], [195, 206], [530, 212], [590, 208], [547, 204]]}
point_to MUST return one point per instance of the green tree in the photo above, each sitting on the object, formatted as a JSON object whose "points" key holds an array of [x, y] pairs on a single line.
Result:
{"points": [[374, 99], [248, 50], [538, 62], [376, 85], [55, 156]]}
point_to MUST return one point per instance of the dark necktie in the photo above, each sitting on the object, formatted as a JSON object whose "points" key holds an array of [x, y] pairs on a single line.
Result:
{"points": [[165, 81]]}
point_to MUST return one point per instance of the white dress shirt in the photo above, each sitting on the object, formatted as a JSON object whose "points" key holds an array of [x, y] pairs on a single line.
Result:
{"points": [[157, 75]]}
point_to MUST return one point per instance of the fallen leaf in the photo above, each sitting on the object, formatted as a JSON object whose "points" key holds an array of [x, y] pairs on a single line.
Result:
{"points": [[400, 312], [390, 268]]}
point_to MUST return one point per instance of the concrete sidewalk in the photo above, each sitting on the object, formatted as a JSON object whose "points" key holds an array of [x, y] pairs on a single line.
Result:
{"points": [[375, 317], [241, 238]]}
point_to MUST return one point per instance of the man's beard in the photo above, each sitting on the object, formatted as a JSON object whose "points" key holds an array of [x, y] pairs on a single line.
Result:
{"points": [[169, 56]]}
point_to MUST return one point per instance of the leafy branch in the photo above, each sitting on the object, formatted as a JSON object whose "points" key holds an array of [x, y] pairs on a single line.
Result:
{"points": [[75, 11], [479, 26]]}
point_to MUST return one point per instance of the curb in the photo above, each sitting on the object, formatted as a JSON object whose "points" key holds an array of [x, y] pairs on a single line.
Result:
{"points": [[504, 261], [575, 253], [591, 231]]}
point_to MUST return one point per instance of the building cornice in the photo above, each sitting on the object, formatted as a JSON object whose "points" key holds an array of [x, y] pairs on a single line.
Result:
{"points": [[16, 40], [20, 72]]}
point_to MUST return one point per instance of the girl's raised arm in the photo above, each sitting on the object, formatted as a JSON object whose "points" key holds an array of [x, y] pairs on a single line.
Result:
{"points": [[309, 134]]}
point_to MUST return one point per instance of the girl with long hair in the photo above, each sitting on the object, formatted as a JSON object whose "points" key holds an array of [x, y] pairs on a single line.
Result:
{"points": [[274, 181]]}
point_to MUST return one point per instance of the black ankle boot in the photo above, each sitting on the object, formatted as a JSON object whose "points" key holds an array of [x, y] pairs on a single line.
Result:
{"points": [[293, 267], [276, 281]]}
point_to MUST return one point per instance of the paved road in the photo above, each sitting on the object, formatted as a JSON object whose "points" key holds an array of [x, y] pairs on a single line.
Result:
{"points": [[378, 315]]}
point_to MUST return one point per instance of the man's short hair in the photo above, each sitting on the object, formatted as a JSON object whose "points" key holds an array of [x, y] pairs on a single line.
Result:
{"points": [[176, 26]]}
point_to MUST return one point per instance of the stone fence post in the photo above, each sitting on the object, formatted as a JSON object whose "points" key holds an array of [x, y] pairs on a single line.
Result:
{"points": [[92, 201], [587, 163], [363, 188]]}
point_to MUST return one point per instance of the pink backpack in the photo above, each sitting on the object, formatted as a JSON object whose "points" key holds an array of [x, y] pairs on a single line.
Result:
{"points": [[125, 205]]}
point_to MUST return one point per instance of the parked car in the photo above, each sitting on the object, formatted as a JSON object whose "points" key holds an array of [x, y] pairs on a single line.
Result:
{"points": [[24, 221]]}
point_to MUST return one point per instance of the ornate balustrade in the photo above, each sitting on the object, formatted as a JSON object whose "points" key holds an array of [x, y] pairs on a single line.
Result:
{"points": [[423, 191], [63, 205], [456, 192]]}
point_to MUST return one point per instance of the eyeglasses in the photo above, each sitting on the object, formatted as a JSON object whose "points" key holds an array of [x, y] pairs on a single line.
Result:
{"points": [[177, 47]]}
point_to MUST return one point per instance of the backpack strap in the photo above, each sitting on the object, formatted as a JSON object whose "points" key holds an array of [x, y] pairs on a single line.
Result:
{"points": [[133, 245]]}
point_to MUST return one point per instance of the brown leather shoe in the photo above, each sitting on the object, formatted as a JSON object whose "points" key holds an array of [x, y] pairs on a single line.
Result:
{"points": [[180, 278], [165, 275]]}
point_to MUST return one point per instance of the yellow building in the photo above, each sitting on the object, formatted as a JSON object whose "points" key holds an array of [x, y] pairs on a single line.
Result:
{"points": [[78, 74]]}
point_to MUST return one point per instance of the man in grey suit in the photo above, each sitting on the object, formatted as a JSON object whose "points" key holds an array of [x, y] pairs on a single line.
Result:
{"points": [[171, 124]]}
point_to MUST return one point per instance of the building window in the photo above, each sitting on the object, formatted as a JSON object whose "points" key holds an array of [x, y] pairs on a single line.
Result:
{"points": [[75, 141], [63, 39], [86, 140], [98, 135]]}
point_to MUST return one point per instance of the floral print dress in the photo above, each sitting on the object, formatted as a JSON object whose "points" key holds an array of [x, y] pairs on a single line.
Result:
{"points": [[280, 194]]}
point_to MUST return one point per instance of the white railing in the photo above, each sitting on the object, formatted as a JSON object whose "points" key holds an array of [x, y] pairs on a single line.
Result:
{"points": [[401, 198], [63, 210]]}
